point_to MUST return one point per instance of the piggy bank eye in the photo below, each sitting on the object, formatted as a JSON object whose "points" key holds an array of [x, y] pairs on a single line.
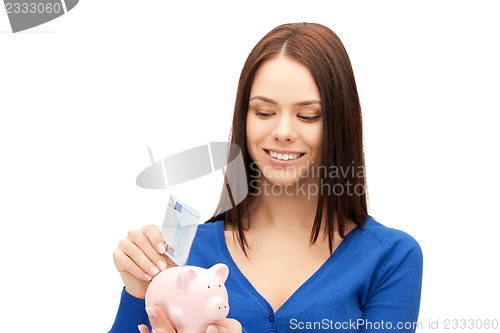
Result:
{"points": [[220, 286], [208, 287]]}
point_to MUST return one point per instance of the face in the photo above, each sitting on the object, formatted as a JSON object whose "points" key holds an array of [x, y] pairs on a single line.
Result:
{"points": [[284, 122]]}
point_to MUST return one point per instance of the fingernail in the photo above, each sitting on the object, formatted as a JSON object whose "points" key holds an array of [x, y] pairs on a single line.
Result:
{"points": [[154, 270], [212, 329], [162, 265], [151, 312], [161, 248], [139, 327], [147, 277]]}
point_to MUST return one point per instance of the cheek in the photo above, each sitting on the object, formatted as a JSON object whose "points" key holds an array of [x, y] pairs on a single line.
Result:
{"points": [[315, 137], [249, 129], [251, 136], [255, 130], [319, 139]]}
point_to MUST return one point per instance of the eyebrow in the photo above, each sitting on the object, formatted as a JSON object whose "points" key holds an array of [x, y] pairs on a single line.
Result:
{"points": [[271, 101]]}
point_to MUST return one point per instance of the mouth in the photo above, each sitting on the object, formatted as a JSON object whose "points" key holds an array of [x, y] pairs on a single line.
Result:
{"points": [[283, 155]]}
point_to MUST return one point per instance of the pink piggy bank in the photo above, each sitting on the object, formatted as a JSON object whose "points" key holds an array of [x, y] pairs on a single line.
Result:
{"points": [[191, 297]]}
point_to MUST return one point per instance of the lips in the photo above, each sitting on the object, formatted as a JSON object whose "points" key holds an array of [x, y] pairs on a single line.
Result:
{"points": [[284, 155]]}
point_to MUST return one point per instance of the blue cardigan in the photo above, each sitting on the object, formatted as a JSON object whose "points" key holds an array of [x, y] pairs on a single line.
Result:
{"points": [[371, 283]]}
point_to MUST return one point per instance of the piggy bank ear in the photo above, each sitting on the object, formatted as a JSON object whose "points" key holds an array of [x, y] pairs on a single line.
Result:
{"points": [[186, 275], [221, 271]]}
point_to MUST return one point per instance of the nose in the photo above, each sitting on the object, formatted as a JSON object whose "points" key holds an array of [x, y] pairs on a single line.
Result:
{"points": [[284, 130], [222, 308], [218, 308]]}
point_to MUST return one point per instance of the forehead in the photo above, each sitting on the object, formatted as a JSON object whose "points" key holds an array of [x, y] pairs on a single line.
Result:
{"points": [[284, 80]]}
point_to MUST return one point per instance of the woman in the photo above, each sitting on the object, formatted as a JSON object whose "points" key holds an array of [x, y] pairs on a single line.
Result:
{"points": [[302, 251]]}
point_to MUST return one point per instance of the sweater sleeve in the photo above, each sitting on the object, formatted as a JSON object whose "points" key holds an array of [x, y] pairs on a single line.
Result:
{"points": [[395, 301], [131, 312]]}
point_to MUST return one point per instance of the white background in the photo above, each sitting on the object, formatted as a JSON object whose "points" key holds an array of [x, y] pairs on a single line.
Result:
{"points": [[82, 97]]}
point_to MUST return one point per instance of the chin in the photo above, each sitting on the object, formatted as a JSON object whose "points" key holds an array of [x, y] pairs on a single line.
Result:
{"points": [[282, 179], [284, 182]]}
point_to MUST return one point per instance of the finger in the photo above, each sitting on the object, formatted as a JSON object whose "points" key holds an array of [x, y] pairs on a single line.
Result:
{"points": [[153, 234], [212, 329], [170, 262], [145, 250], [143, 328], [158, 320], [131, 257], [124, 263], [227, 325]]}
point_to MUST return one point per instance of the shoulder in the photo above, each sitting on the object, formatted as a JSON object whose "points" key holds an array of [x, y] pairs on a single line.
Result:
{"points": [[385, 246], [387, 237], [391, 246], [389, 262]]}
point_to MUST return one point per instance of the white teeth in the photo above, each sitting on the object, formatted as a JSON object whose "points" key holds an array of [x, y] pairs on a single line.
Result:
{"points": [[284, 157]]}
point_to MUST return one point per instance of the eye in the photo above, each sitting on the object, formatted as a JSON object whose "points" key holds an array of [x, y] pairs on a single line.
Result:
{"points": [[208, 287], [263, 115], [308, 119], [220, 286]]}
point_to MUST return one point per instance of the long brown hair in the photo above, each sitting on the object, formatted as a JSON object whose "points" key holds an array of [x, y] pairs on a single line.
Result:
{"points": [[318, 48]]}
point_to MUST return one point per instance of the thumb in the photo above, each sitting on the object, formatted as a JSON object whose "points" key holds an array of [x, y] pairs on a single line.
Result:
{"points": [[143, 328], [158, 320], [227, 325], [212, 329]]}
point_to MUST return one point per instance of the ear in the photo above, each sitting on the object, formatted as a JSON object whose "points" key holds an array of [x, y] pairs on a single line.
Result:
{"points": [[221, 270], [186, 275]]}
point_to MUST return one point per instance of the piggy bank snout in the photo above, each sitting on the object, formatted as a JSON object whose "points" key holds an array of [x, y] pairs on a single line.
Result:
{"points": [[217, 308]]}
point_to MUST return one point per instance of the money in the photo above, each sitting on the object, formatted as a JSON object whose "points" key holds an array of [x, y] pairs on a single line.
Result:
{"points": [[179, 228]]}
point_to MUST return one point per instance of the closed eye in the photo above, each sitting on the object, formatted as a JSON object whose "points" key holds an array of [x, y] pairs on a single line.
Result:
{"points": [[263, 115], [309, 119]]}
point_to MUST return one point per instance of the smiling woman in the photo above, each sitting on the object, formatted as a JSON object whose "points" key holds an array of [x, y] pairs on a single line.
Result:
{"points": [[284, 123], [296, 71], [301, 246]]}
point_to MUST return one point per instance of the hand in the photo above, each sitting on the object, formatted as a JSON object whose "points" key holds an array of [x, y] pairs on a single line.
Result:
{"points": [[227, 325], [158, 320], [160, 324], [139, 257]]}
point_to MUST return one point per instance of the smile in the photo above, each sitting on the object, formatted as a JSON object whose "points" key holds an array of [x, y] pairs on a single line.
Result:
{"points": [[284, 156]]}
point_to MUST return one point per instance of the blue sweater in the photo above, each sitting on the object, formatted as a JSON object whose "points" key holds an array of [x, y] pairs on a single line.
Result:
{"points": [[371, 283]]}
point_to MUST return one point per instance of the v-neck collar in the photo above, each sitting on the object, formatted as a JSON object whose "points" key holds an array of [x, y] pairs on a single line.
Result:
{"points": [[337, 253]]}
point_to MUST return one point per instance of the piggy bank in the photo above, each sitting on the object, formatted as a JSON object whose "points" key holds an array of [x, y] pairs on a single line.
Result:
{"points": [[191, 297]]}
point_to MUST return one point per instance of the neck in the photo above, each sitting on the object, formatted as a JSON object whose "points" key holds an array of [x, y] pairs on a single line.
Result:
{"points": [[284, 207]]}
